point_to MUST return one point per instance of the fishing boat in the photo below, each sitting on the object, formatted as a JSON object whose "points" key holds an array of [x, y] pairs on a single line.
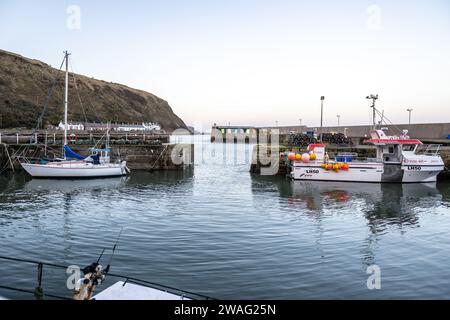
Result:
{"points": [[73, 165], [399, 159]]}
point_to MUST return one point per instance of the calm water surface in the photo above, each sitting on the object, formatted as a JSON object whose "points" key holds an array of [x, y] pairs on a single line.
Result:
{"points": [[220, 231]]}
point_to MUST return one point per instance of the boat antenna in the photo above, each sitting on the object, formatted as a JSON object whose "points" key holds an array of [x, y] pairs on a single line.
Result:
{"points": [[373, 98], [113, 251]]}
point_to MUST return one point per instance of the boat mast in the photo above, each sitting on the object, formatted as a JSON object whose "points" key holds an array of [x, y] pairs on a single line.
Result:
{"points": [[373, 98], [66, 97]]}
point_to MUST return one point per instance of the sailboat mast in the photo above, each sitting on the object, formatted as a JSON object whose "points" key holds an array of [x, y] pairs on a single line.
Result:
{"points": [[66, 97]]}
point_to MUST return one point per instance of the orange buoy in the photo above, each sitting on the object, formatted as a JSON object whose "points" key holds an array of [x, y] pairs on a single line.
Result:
{"points": [[329, 166], [323, 166], [312, 156], [291, 156], [298, 156]]}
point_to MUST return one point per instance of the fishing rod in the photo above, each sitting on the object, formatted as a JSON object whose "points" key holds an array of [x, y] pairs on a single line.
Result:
{"points": [[101, 254], [94, 275], [113, 251]]}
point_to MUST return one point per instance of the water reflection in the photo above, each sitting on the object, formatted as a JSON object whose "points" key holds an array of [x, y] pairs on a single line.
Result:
{"points": [[67, 186], [381, 204]]}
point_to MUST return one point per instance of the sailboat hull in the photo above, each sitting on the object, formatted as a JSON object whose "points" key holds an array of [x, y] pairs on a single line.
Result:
{"points": [[74, 170]]}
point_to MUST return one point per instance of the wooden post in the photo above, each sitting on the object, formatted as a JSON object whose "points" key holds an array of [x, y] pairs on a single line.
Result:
{"points": [[257, 146], [17, 138], [54, 138]]}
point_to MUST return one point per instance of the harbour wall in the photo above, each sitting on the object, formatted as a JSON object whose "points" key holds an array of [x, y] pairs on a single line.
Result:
{"points": [[138, 157], [423, 131]]}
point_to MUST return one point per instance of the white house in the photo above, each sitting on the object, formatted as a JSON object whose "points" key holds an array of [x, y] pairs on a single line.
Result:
{"points": [[138, 127], [71, 126]]}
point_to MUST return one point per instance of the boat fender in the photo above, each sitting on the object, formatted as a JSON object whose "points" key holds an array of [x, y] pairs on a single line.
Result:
{"points": [[305, 157]]}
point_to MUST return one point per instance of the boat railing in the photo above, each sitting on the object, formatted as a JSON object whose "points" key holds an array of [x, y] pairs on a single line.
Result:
{"points": [[38, 291], [428, 149], [36, 160], [378, 160]]}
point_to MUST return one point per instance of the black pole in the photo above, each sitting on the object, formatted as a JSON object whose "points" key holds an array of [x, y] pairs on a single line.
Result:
{"points": [[38, 291]]}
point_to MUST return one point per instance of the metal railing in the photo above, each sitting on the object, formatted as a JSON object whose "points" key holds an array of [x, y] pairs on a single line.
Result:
{"points": [[38, 291], [57, 137], [428, 149]]}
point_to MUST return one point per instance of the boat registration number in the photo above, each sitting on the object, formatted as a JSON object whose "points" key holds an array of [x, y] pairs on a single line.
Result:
{"points": [[414, 168], [312, 171]]}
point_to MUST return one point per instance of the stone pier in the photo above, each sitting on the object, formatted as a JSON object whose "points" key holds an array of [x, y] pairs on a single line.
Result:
{"points": [[138, 157]]}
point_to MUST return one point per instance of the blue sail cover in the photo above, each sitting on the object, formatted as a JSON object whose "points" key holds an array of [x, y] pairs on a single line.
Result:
{"points": [[69, 153]]}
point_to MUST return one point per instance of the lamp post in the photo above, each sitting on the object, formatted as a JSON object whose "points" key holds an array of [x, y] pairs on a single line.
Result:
{"points": [[300, 120], [409, 118], [338, 117], [321, 116], [276, 123]]}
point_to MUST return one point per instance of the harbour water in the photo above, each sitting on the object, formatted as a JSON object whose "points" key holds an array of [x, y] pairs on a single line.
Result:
{"points": [[220, 231]]}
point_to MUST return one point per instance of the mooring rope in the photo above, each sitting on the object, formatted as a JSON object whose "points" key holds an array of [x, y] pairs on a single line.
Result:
{"points": [[160, 155], [9, 157], [13, 156]]}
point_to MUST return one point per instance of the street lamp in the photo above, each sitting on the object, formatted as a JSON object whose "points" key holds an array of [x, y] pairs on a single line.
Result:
{"points": [[276, 123], [409, 121], [338, 117], [300, 120], [321, 116]]}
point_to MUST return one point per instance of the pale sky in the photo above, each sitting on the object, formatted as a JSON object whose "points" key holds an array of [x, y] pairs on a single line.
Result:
{"points": [[252, 62]]}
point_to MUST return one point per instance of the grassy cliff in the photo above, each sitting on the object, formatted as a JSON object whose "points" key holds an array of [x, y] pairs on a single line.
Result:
{"points": [[25, 83]]}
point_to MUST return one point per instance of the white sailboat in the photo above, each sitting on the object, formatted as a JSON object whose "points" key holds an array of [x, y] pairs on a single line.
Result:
{"points": [[73, 165]]}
